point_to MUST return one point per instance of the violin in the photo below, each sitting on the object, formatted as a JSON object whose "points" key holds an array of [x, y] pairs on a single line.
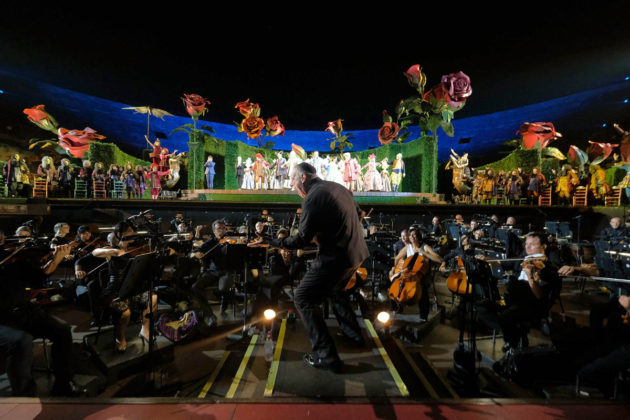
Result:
{"points": [[457, 281], [535, 264], [407, 275]]}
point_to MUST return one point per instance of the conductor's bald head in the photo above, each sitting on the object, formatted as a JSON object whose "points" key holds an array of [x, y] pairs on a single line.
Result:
{"points": [[302, 176]]}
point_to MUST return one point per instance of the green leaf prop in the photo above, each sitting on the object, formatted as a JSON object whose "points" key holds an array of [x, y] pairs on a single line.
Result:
{"points": [[554, 153]]}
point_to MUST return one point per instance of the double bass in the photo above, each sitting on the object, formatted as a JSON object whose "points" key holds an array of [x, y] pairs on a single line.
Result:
{"points": [[406, 279]]}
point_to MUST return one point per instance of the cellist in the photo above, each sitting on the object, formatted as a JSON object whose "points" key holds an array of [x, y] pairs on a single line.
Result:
{"points": [[417, 246]]}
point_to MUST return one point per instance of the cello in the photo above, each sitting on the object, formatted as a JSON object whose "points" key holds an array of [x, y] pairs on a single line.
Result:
{"points": [[457, 281], [407, 275]]}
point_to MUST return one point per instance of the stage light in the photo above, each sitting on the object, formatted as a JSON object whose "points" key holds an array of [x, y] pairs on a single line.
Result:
{"points": [[269, 314], [1, 91], [627, 78], [625, 101], [604, 125], [383, 317]]}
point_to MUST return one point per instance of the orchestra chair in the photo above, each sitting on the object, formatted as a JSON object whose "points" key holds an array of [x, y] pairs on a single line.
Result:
{"points": [[80, 188], [118, 189], [500, 197], [40, 188], [580, 197], [545, 198], [99, 189], [4, 188], [622, 376], [613, 199]]}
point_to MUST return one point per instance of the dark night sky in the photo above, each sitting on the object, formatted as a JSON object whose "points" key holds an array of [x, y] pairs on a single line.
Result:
{"points": [[310, 71]]}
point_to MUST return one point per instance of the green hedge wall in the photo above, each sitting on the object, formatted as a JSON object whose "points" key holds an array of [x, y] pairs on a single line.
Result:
{"points": [[519, 158], [109, 153]]}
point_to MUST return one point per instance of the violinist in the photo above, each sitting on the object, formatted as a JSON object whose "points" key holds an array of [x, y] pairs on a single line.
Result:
{"points": [[417, 246], [21, 321], [215, 254], [529, 295], [117, 259], [61, 231], [84, 260], [284, 266], [260, 234]]}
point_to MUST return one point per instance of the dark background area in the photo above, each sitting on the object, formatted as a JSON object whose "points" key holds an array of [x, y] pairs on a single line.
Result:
{"points": [[316, 64]]}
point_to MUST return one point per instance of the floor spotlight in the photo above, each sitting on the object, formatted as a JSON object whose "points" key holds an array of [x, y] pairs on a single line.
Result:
{"points": [[269, 314], [383, 317]]}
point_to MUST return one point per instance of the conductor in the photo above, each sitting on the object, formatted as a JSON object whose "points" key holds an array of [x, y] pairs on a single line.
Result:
{"points": [[330, 219]]}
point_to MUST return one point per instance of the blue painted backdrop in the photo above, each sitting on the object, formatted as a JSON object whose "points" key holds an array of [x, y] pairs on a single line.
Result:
{"points": [[582, 112]]}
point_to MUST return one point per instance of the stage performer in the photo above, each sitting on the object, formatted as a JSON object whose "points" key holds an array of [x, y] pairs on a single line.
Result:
{"points": [[141, 185], [248, 177], [398, 172], [260, 170], [317, 163], [154, 180], [387, 184], [15, 173], [536, 184], [86, 175], [281, 169], [488, 186], [566, 182], [372, 179], [157, 150], [330, 218], [461, 172], [513, 188], [597, 185], [350, 172], [47, 170], [129, 179], [239, 167], [65, 177], [209, 165]]}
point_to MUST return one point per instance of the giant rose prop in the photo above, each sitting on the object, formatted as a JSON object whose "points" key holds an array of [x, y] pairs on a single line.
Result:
{"points": [[388, 132], [275, 127], [38, 116], [245, 108], [335, 127], [252, 126], [76, 142], [195, 104], [599, 152], [537, 133], [458, 86], [415, 77]]}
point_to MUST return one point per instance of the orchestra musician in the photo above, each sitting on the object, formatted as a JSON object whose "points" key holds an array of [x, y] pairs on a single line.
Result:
{"points": [[61, 231], [117, 259], [417, 246], [21, 321], [330, 218], [529, 295], [215, 253], [402, 242], [615, 232]]}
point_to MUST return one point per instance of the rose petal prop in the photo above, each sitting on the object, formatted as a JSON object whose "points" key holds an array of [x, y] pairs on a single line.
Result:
{"points": [[195, 104], [244, 107], [416, 77], [275, 127], [537, 133], [298, 151], [388, 132], [76, 142]]}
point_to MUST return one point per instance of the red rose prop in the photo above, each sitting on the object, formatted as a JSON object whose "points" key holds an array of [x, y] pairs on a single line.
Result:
{"points": [[76, 142], [275, 127], [600, 150], [245, 107], [38, 116], [414, 75], [252, 126], [458, 86], [195, 104], [388, 132], [537, 133], [298, 151], [335, 127]]}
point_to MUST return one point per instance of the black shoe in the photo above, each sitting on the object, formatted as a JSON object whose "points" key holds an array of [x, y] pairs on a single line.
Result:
{"points": [[358, 342], [335, 366]]}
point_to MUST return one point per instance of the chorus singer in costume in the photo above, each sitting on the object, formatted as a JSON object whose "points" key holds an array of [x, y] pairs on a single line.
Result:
{"points": [[330, 218]]}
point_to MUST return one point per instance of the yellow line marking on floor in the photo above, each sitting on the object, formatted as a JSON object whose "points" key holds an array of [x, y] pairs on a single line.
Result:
{"points": [[388, 362], [444, 381], [241, 368], [273, 369], [416, 369], [214, 375]]}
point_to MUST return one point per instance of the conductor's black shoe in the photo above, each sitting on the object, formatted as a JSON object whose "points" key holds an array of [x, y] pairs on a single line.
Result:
{"points": [[316, 362]]}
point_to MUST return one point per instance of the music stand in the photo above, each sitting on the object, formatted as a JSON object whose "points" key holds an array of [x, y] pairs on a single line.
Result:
{"points": [[137, 271]]}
